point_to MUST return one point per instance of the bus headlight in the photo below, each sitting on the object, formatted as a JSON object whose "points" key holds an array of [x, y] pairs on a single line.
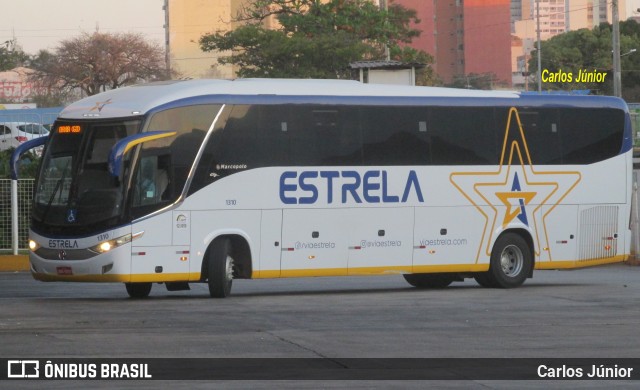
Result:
{"points": [[106, 246], [33, 246]]}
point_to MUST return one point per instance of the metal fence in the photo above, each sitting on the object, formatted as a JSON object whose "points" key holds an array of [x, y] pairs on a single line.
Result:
{"points": [[10, 120], [25, 196], [635, 125], [43, 116]]}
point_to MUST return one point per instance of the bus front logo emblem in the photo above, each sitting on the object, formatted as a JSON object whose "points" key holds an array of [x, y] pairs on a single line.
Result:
{"points": [[100, 105], [62, 255]]}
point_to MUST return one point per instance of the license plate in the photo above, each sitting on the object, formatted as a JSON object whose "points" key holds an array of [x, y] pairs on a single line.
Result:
{"points": [[64, 270]]}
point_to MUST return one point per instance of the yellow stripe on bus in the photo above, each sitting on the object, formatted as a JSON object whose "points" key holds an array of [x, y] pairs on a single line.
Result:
{"points": [[389, 270], [580, 263], [124, 278], [149, 138], [319, 272]]}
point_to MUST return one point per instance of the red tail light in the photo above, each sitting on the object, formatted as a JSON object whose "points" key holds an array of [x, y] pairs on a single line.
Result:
{"points": [[21, 139]]}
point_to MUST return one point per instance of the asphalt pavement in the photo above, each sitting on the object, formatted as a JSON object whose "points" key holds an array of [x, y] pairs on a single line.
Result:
{"points": [[588, 313]]}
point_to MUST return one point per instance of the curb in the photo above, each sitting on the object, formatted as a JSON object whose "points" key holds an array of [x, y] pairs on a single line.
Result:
{"points": [[632, 260], [14, 263]]}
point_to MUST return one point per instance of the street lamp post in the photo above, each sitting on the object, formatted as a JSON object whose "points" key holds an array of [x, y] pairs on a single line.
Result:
{"points": [[617, 78], [167, 36]]}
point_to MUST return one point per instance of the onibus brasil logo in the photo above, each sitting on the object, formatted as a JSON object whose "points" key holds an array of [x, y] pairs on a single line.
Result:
{"points": [[528, 194]]}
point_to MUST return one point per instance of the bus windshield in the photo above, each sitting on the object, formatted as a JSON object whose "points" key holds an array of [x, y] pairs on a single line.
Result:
{"points": [[76, 194], [75, 191]]}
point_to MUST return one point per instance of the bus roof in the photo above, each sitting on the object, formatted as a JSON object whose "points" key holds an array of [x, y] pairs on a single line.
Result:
{"points": [[145, 98]]}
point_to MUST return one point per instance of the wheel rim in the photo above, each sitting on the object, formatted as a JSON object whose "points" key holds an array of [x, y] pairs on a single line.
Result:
{"points": [[228, 272], [511, 261]]}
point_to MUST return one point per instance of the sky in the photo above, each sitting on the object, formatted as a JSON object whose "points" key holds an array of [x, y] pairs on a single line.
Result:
{"points": [[42, 24]]}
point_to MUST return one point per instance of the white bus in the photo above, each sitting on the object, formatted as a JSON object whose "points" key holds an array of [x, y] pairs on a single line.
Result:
{"points": [[208, 181]]}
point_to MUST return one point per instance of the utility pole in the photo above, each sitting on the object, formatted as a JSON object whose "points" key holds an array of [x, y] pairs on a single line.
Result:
{"points": [[387, 52], [167, 52], [617, 78], [539, 75]]}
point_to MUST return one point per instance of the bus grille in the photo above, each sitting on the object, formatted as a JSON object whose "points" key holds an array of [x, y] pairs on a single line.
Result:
{"points": [[598, 233]]}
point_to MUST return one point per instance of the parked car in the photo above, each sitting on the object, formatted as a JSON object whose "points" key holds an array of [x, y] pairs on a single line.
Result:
{"points": [[13, 134]]}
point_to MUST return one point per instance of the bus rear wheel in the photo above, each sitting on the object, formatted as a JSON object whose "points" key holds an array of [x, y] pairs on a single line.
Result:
{"points": [[220, 263], [511, 263], [138, 290], [484, 280], [428, 280]]}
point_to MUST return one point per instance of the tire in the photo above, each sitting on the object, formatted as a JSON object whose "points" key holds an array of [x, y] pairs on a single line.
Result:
{"points": [[220, 263], [483, 280], [428, 280], [138, 290], [511, 263]]}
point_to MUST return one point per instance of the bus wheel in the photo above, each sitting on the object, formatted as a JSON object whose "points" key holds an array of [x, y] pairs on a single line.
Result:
{"points": [[511, 263], [138, 290], [484, 280], [428, 280], [220, 269]]}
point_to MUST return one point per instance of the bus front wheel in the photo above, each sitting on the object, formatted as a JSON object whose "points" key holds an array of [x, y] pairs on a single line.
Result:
{"points": [[220, 263], [428, 280], [138, 290], [511, 263]]}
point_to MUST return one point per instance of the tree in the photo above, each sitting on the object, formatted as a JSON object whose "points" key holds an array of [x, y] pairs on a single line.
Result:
{"points": [[27, 164], [313, 38], [11, 56], [588, 51], [424, 76], [98, 62]]}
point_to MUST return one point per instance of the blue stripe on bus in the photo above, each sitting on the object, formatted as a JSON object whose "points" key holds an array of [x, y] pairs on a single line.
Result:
{"points": [[627, 140], [449, 101], [524, 101]]}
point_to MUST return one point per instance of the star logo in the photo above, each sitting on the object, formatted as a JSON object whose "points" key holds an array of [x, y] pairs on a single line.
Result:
{"points": [[100, 105], [517, 194], [523, 198]]}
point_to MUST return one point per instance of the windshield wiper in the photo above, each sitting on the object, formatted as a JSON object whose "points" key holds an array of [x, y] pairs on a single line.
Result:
{"points": [[55, 192]]}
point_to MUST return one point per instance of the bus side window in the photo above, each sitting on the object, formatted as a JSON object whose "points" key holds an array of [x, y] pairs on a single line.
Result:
{"points": [[238, 147], [395, 136], [273, 135], [207, 170], [325, 136], [184, 150], [589, 136], [463, 136], [542, 135], [146, 187], [152, 181], [167, 161]]}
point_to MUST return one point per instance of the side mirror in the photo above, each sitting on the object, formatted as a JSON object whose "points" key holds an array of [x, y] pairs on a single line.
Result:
{"points": [[22, 149], [124, 145]]}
